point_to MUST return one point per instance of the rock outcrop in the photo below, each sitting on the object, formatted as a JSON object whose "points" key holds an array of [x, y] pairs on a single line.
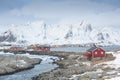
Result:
{"points": [[11, 64], [77, 67]]}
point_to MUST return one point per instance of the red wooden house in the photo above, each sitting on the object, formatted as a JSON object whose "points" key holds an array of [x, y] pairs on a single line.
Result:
{"points": [[95, 52], [16, 49], [41, 48]]}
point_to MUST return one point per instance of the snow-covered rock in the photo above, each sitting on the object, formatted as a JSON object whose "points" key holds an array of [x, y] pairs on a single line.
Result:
{"points": [[13, 63], [40, 33]]}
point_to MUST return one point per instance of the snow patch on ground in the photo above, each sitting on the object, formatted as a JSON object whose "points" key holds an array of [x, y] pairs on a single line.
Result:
{"points": [[116, 78], [45, 58], [99, 71], [7, 53], [87, 63], [111, 72], [115, 63], [22, 61]]}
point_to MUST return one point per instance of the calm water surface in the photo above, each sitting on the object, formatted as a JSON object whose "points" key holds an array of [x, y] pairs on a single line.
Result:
{"points": [[83, 49]]}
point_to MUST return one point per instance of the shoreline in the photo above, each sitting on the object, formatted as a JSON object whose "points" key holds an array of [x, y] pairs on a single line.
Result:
{"points": [[72, 64], [13, 64], [16, 71]]}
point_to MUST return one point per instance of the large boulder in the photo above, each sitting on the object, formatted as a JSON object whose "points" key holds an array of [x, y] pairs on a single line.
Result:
{"points": [[11, 64]]}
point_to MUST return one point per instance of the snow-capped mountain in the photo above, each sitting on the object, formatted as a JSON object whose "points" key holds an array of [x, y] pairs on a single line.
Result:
{"points": [[40, 33]]}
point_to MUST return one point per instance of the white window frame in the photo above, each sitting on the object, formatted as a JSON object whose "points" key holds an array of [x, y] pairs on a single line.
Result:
{"points": [[102, 52], [96, 52]]}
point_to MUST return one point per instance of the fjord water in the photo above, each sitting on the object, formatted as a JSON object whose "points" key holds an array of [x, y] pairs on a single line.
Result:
{"points": [[83, 49]]}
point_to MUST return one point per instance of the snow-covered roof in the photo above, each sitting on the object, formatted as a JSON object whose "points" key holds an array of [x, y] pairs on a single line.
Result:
{"points": [[93, 48]]}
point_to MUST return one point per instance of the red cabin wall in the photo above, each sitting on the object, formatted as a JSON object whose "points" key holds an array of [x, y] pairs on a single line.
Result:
{"points": [[88, 54], [36, 48], [98, 53], [95, 53], [41, 48], [15, 49]]}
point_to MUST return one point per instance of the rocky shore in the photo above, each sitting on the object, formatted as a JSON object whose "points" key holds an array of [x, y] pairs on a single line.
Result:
{"points": [[12, 64], [76, 67], [72, 66]]}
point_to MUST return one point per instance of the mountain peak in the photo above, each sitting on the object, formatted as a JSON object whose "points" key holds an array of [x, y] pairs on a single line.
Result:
{"points": [[39, 32]]}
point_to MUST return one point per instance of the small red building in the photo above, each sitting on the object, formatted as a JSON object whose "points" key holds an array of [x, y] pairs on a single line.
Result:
{"points": [[95, 52], [16, 49], [39, 48]]}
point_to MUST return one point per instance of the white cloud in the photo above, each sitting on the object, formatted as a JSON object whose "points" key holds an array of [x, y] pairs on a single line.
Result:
{"points": [[70, 11]]}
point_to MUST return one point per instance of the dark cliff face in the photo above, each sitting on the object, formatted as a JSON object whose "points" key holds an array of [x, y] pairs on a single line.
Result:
{"points": [[8, 37], [107, 35], [103, 36], [100, 36], [88, 28], [69, 33]]}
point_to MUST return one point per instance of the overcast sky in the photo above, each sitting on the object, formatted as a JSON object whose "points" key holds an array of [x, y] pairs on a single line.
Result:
{"points": [[96, 12]]}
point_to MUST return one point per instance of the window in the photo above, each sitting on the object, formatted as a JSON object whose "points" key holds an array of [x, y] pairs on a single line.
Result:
{"points": [[95, 52], [101, 52]]}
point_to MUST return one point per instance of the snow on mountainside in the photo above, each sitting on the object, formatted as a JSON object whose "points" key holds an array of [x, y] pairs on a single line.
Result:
{"points": [[40, 33]]}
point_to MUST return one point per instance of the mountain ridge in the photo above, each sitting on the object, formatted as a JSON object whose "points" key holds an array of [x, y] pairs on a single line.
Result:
{"points": [[40, 33]]}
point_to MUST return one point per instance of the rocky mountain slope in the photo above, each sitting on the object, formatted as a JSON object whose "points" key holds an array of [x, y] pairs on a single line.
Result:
{"points": [[40, 33]]}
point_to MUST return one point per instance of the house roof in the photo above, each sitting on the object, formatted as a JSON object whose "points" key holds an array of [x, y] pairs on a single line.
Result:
{"points": [[92, 48]]}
